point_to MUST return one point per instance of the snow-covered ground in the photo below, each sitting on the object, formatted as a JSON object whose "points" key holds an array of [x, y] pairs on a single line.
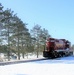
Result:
{"points": [[63, 60], [3, 58], [60, 66]]}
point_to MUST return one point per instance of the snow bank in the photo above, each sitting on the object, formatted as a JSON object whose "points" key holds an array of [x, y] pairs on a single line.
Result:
{"points": [[37, 69]]}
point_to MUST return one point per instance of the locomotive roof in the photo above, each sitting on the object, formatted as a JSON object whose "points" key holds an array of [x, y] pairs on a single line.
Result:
{"points": [[57, 39]]}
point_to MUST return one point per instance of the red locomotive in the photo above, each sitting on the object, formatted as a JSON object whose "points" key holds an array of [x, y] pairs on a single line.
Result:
{"points": [[57, 47]]}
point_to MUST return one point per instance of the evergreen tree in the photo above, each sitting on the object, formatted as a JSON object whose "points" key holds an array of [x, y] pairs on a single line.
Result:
{"points": [[20, 35], [39, 37], [7, 24], [35, 32]]}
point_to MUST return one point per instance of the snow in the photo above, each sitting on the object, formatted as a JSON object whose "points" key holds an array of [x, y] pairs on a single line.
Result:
{"points": [[64, 60], [37, 69], [60, 66]]}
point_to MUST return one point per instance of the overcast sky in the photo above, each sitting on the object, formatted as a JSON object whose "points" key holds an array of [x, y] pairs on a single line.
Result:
{"points": [[57, 16]]}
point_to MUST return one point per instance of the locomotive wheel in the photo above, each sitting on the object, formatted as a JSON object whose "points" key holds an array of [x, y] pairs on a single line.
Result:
{"points": [[54, 54], [59, 54]]}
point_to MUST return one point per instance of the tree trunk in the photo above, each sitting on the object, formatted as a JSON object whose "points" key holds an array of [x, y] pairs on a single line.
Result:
{"points": [[18, 45]]}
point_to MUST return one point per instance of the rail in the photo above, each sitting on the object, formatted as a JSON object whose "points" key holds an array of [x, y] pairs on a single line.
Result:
{"points": [[20, 61]]}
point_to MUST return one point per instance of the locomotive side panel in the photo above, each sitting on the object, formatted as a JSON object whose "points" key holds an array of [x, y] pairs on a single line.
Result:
{"points": [[55, 44], [59, 44]]}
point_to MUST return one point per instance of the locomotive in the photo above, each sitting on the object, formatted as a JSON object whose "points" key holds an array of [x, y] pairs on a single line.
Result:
{"points": [[57, 48]]}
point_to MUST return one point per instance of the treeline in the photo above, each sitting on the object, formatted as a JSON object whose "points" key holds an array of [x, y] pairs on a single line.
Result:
{"points": [[15, 37]]}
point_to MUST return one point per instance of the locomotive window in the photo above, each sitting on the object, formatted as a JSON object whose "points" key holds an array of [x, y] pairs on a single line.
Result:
{"points": [[68, 43], [52, 41], [57, 41]]}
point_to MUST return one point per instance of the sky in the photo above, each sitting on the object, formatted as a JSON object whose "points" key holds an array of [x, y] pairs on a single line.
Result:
{"points": [[57, 16]]}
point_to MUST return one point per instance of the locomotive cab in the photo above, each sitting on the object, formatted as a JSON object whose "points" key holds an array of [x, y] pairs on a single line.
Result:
{"points": [[50, 44]]}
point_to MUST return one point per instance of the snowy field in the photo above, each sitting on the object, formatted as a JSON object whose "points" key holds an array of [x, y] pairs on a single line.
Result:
{"points": [[60, 66]]}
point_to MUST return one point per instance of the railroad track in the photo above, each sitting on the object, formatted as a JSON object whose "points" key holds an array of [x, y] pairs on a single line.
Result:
{"points": [[20, 61]]}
